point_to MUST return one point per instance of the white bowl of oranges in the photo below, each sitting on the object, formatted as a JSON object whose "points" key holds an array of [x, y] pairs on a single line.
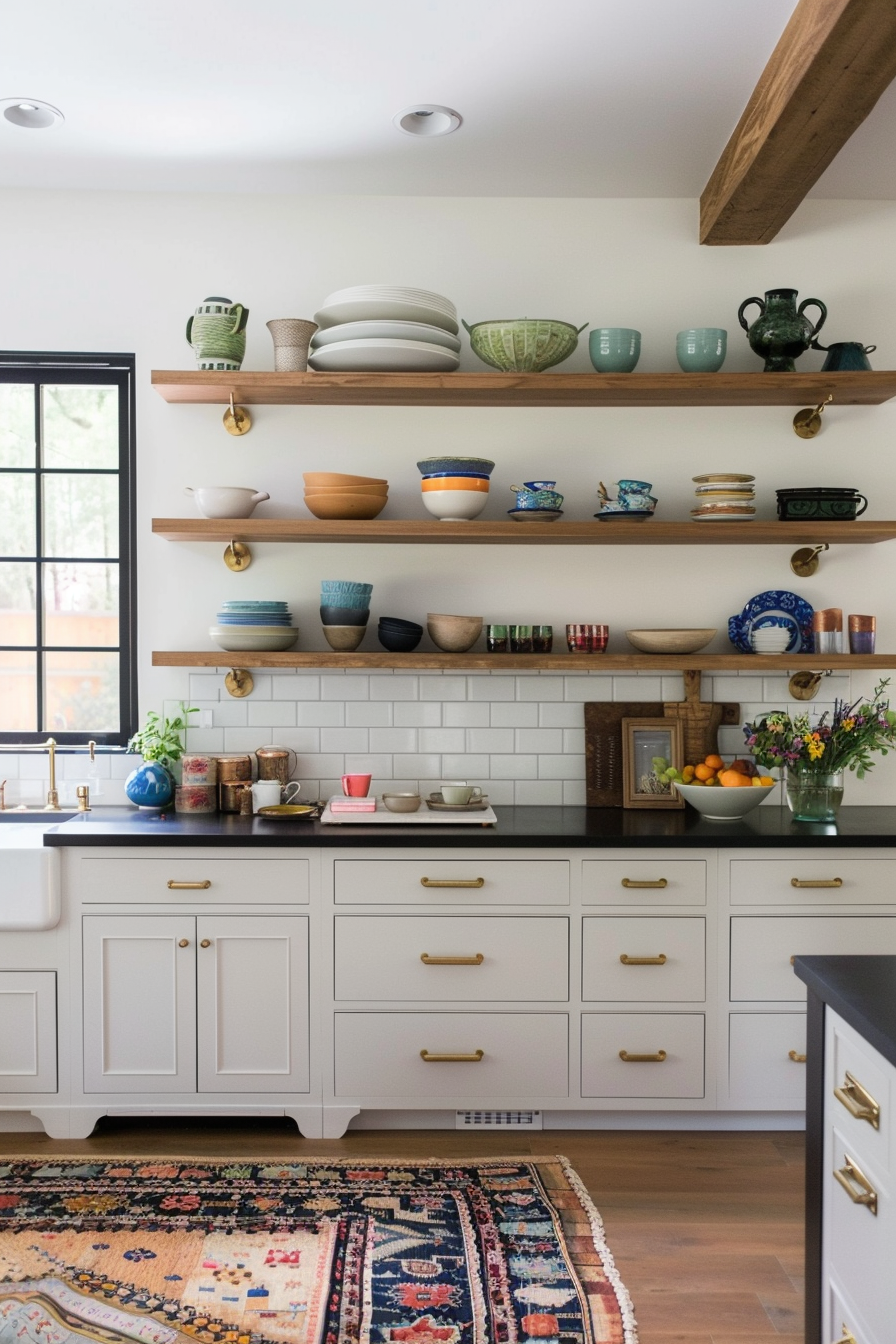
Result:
{"points": [[721, 792]]}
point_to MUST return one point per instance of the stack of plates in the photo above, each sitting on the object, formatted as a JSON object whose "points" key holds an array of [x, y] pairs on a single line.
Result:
{"points": [[725, 496], [244, 627], [385, 329]]}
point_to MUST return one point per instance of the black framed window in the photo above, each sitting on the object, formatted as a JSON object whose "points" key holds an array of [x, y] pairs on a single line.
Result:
{"points": [[67, 549]]}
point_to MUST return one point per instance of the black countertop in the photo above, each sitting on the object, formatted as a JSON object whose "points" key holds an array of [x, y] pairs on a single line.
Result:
{"points": [[862, 990], [517, 828]]}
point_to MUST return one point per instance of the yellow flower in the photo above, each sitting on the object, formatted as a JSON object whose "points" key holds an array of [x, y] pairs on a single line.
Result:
{"points": [[847, 725], [816, 750]]}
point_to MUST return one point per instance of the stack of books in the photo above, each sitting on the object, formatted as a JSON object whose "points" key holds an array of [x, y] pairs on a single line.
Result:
{"points": [[340, 804]]}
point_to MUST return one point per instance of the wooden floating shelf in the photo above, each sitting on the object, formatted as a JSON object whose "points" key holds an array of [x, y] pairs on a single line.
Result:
{"points": [[626, 532], [544, 662], [525, 389]]}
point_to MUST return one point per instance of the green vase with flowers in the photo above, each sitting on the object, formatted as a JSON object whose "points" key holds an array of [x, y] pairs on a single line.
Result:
{"points": [[815, 755]]}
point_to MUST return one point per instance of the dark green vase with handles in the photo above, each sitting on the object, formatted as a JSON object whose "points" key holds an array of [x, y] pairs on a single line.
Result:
{"points": [[781, 333]]}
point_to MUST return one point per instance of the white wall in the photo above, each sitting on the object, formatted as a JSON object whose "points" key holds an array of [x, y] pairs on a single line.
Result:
{"points": [[122, 272]]}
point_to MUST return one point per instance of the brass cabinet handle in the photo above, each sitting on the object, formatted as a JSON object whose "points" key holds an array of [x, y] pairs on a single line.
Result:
{"points": [[866, 1193], [819, 882], [452, 882], [206, 942], [642, 1059], [643, 961], [847, 1337], [858, 1101], [631, 885], [475, 960], [796, 1056], [452, 1059], [188, 886], [184, 942]]}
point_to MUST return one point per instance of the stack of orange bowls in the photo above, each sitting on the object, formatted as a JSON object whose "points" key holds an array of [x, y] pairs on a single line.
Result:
{"points": [[332, 494]]}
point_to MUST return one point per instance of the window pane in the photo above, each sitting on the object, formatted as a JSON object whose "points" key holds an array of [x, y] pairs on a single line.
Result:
{"points": [[18, 693], [18, 623], [81, 692], [17, 532], [80, 604], [80, 426], [80, 515], [17, 447]]}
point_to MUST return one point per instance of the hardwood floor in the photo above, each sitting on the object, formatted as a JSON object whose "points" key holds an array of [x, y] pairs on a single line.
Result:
{"points": [[706, 1229]]}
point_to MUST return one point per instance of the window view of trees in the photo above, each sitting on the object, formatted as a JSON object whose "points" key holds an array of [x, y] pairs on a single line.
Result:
{"points": [[60, 491]]}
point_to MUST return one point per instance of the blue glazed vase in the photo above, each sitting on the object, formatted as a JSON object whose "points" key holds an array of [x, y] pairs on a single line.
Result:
{"points": [[149, 786]]}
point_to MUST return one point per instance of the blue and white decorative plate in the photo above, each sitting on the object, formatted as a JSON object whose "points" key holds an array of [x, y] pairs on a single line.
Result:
{"points": [[776, 607]]}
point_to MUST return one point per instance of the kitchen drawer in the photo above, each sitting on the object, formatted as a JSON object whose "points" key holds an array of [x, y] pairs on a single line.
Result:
{"points": [[762, 1074], [513, 957], [27, 1031], [859, 1245], [245, 881], [607, 939], [523, 1055], [678, 1035], [825, 881], [638, 881], [870, 1074], [839, 1315], [461, 882], [761, 949]]}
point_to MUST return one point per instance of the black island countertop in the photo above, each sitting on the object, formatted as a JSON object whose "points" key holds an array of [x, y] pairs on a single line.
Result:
{"points": [[517, 828], [861, 990]]}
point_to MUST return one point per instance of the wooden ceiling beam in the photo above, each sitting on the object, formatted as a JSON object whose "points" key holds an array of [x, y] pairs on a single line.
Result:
{"points": [[834, 60]]}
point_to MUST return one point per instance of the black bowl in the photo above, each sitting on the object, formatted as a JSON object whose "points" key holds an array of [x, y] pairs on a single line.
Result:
{"points": [[344, 615], [399, 641], [393, 623]]}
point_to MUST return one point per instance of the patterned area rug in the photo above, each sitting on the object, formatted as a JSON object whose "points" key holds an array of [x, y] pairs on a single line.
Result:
{"points": [[505, 1251]]}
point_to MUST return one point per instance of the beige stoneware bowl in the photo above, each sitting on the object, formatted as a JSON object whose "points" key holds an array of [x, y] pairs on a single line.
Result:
{"points": [[453, 634], [670, 641], [344, 638], [401, 802]]}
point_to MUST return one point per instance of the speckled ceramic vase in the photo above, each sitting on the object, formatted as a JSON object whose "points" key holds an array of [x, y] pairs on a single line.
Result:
{"points": [[781, 333], [291, 336], [217, 333]]}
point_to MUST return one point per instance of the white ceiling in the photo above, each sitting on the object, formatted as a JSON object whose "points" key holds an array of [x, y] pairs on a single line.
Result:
{"points": [[559, 97]]}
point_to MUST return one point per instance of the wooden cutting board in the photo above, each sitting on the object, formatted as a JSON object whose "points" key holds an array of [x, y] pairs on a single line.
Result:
{"points": [[700, 720]]}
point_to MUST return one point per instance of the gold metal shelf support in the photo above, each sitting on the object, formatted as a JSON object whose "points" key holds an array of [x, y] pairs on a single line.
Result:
{"points": [[239, 683], [807, 422], [805, 562]]}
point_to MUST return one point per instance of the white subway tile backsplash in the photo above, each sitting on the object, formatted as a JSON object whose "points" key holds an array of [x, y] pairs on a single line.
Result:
{"points": [[638, 688], [673, 688], [561, 766], [541, 688], [512, 714], [203, 739], [466, 715], [297, 687], [205, 686], [574, 794], [346, 739], [490, 739], [491, 688], [278, 713], [561, 716], [443, 688], [589, 688], [369, 714], [244, 739], [441, 739], [538, 793], [516, 766], [235, 713], [417, 765], [393, 739], [574, 741], [322, 766], [351, 687], [320, 714], [417, 714], [395, 688], [539, 739], [299, 739], [375, 765], [500, 792], [464, 766]]}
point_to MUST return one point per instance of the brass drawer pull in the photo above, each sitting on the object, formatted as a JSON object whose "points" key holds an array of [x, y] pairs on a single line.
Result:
{"points": [[859, 1102], [796, 1056], [206, 942], [188, 886], [643, 961], [847, 1337], [452, 882], [866, 1194], [184, 942], [452, 1059], [820, 882], [631, 885], [642, 1059], [475, 960]]}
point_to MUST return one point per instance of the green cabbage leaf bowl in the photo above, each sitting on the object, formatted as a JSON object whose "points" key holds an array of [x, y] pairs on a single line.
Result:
{"points": [[524, 345]]}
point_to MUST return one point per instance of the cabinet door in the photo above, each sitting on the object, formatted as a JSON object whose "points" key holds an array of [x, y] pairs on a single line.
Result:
{"points": [[139, 1003], [27, 1031], [252, 988]]}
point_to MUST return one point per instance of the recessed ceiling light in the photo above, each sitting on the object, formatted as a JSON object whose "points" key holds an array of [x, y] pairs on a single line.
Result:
{"points": [[31, 113], [427, 119]]}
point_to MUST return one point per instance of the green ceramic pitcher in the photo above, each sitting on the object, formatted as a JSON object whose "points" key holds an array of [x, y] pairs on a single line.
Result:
{"points": [[781, 333], [217, 333]]}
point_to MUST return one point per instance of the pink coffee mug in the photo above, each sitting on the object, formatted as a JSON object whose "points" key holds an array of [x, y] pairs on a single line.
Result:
{"points": [[355, 786]]}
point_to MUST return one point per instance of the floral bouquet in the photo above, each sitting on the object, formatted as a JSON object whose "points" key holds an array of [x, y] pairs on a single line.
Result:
{"points": [[842, 740]]}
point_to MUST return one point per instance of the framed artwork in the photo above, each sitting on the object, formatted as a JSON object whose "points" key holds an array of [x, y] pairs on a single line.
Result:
{"points": [[649, 747]]}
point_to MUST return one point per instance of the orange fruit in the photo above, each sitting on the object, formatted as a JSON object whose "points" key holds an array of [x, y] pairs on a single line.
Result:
{"points": [[766, 779], [733, 779], [703, 772], [714, 762]]}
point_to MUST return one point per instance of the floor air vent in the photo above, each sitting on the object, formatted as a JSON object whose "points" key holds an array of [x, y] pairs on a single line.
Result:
{"points": [[498, 1120]]}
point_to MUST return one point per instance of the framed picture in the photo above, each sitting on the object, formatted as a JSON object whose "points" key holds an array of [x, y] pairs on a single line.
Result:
{"points": [[649, 747]]}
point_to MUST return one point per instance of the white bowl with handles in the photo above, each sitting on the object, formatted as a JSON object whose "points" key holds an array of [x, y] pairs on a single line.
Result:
{"points": [[226, 501]]}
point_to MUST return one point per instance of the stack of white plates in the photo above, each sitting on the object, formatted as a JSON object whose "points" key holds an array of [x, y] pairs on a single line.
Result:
{"points": [[385, 329], [725, 496]]}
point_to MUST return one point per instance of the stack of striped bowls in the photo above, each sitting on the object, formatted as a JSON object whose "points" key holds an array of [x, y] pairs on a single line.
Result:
{"points": [[455, 489], [725, 496]]}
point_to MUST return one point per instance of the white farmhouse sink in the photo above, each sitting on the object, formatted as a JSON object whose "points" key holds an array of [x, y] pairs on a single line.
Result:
{"points": [[29, 888]]}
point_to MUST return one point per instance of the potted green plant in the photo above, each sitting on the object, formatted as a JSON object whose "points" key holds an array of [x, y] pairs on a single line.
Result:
{"points": [[160, 742]]}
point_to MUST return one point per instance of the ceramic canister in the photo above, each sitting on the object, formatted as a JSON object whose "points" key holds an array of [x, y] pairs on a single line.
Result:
{"points": [[232, 768], [196, 798], [197, 768]]}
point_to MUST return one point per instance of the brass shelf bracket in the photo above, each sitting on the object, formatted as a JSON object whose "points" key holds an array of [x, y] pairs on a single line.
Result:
{"points": [[237, 556], [805, 562], [807, 422], [239, 683], [237, 419], [804, 685]]}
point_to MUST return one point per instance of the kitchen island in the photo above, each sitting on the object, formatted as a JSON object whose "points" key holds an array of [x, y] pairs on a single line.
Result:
{"points": [[567, 967]]}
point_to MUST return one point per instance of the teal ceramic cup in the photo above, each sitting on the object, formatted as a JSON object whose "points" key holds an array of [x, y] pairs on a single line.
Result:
{"points": [[614, 349], [701, 349]]}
